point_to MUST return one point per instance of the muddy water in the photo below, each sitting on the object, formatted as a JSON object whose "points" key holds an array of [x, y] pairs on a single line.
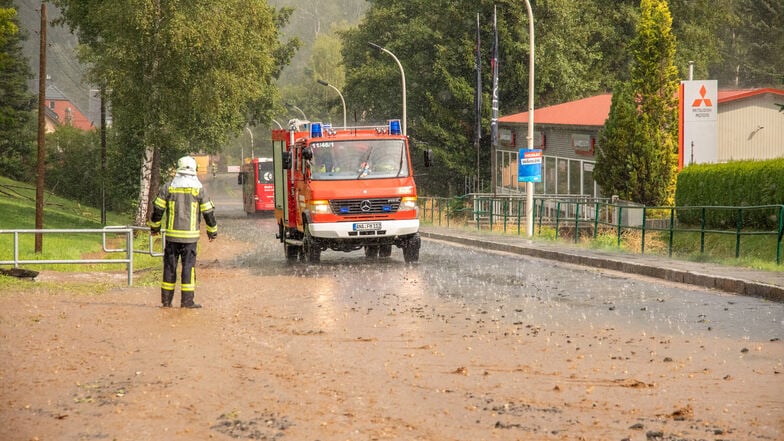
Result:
{"points": [[465, 345]]}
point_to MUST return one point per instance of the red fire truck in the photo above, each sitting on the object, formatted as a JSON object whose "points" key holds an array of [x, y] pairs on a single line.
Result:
{"points": [[257, 186], [345, 189]]}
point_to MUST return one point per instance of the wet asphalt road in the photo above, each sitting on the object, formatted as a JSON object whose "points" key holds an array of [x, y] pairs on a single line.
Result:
{"points": [[506, 289]]}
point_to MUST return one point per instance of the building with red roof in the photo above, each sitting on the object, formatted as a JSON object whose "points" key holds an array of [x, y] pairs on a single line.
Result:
{"points": [[68, 114], [750, 126]]}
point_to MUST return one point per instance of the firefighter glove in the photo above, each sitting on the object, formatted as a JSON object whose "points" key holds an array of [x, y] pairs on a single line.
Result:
{"points": [[154, 229], [212, 236]]}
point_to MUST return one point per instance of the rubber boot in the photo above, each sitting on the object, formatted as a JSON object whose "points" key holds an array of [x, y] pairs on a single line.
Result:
{"points": [[187, 300], [166, 297]]}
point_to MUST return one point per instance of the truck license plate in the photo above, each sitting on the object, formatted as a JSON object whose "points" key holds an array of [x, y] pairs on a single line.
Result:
{"points": [[367, 226]]}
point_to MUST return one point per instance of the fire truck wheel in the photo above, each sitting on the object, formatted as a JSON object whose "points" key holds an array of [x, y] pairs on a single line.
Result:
{"points": [[385, 251], [371, 251], [411, 249], [311, 250], [292, 252]]}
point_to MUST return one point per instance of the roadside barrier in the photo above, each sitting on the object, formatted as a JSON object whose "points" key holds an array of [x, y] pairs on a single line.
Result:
{"points": [[581, 217], [127, 232]]}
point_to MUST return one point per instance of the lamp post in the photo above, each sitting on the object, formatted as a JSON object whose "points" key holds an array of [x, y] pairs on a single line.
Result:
{"points": [[529, 186], [324, 83], [251, 142], [297, 108], [402, 76]]}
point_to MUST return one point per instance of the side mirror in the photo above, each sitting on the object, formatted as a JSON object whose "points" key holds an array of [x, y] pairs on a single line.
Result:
{"points": [[428, 158], [286, 160], [307, 153]]}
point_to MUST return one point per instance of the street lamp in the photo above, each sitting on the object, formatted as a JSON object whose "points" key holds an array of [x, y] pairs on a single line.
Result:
{"points": [[297, 108], [402, 76], [251, 142], [324, 83], [529, 186]]}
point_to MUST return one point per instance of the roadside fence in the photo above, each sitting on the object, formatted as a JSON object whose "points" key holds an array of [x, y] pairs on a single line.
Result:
{"points": [[558, 215], [125, 232]]}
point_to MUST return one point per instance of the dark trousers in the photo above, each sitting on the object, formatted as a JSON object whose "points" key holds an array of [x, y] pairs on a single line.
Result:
{"points": [[172, 253]]}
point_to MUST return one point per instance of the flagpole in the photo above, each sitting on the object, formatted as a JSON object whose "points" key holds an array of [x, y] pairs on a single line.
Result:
{"points": [[478, 101], [494, 118]]}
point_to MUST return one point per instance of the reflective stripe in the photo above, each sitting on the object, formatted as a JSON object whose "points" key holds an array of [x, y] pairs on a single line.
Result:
{"points": [[207, 206], [194, 216], [154, 224], [160, 203], [167, 286], [212, 229], [190, 286], [185, 190], [182, 234], [170, 217]]}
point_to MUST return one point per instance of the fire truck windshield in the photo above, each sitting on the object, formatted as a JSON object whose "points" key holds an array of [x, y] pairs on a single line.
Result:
{"points": [[359, 159]]}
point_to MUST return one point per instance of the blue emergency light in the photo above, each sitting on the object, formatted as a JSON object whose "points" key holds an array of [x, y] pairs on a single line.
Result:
{"points": [[394, 127], [315, 130]]}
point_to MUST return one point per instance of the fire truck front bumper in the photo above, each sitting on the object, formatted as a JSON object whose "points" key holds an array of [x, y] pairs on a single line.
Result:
{"points": [[364, 229]]}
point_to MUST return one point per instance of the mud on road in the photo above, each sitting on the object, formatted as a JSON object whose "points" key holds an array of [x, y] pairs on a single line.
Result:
{"points": [[266, 359]]}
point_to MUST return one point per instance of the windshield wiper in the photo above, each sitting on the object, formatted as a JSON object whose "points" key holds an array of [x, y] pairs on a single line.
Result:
{"points": [[400, 167], [364, 168]]}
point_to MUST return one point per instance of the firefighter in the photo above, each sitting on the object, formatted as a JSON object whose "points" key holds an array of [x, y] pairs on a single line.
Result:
{"points": [[181, 200]]}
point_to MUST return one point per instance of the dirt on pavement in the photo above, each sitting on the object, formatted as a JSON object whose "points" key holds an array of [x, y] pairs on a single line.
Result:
{"points": [[268, 360]]}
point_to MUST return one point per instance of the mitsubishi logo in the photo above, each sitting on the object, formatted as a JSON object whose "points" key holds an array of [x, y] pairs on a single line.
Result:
{"points": [[365, 206], [702, 99]]}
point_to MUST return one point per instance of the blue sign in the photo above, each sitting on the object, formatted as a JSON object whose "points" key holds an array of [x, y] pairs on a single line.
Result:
{"points": [[529, 168]]}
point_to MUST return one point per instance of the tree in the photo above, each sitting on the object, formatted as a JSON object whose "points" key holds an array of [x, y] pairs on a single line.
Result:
{"points": [[434, 41], [17, 105], [181, 75], [637, 156], [753, 55]]}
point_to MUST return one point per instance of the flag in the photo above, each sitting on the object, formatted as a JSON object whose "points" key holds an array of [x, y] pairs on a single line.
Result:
{"points": [[478, 91], [494, 66]]}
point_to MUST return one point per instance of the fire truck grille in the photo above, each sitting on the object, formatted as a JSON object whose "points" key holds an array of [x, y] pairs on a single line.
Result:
{"points": [[349, 207]]}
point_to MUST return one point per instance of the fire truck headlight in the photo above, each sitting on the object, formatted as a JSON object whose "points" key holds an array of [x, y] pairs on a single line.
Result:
{"points": [[320, 206], [408, 203]]}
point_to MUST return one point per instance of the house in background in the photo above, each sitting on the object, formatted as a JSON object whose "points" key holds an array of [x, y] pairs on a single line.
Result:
{"points": [[51, 120], [67, 112], [749, 127]]}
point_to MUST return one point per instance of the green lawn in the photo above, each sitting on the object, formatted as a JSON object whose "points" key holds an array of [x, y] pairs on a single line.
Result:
{"points": [[17, 211]]}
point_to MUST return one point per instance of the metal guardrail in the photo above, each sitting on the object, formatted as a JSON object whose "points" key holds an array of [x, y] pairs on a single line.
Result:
{"points": [[578, 213], [151, 249], [127, 231]]}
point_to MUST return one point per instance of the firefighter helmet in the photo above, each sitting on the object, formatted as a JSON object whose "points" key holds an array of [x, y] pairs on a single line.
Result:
{"points": [[186, 166]]}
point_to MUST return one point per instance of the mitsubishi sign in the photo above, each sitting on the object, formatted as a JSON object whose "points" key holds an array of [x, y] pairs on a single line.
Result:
{"points": [[698, 122]]}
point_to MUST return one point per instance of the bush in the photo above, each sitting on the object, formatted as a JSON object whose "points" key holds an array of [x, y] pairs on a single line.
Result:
{"points": [[732, 184]]}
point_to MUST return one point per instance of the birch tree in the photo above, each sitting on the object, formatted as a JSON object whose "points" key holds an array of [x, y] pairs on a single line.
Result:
{"points": [[181, 74]]}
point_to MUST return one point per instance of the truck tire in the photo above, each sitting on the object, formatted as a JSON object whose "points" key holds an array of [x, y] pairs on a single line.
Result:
{"points": [[291, 251], [411, 248], [311, 249], [371, 251], [384, 250]]}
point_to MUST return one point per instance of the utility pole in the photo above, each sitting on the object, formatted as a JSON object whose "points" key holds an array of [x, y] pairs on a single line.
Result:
{"points": [[103, 156], [39, 185]]}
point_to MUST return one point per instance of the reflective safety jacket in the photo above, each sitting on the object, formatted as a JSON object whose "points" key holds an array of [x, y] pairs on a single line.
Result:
{"points": [[182, 206]]}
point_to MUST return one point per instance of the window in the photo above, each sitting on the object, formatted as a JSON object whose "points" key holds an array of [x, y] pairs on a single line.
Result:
{"points": [[360, 159]]}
